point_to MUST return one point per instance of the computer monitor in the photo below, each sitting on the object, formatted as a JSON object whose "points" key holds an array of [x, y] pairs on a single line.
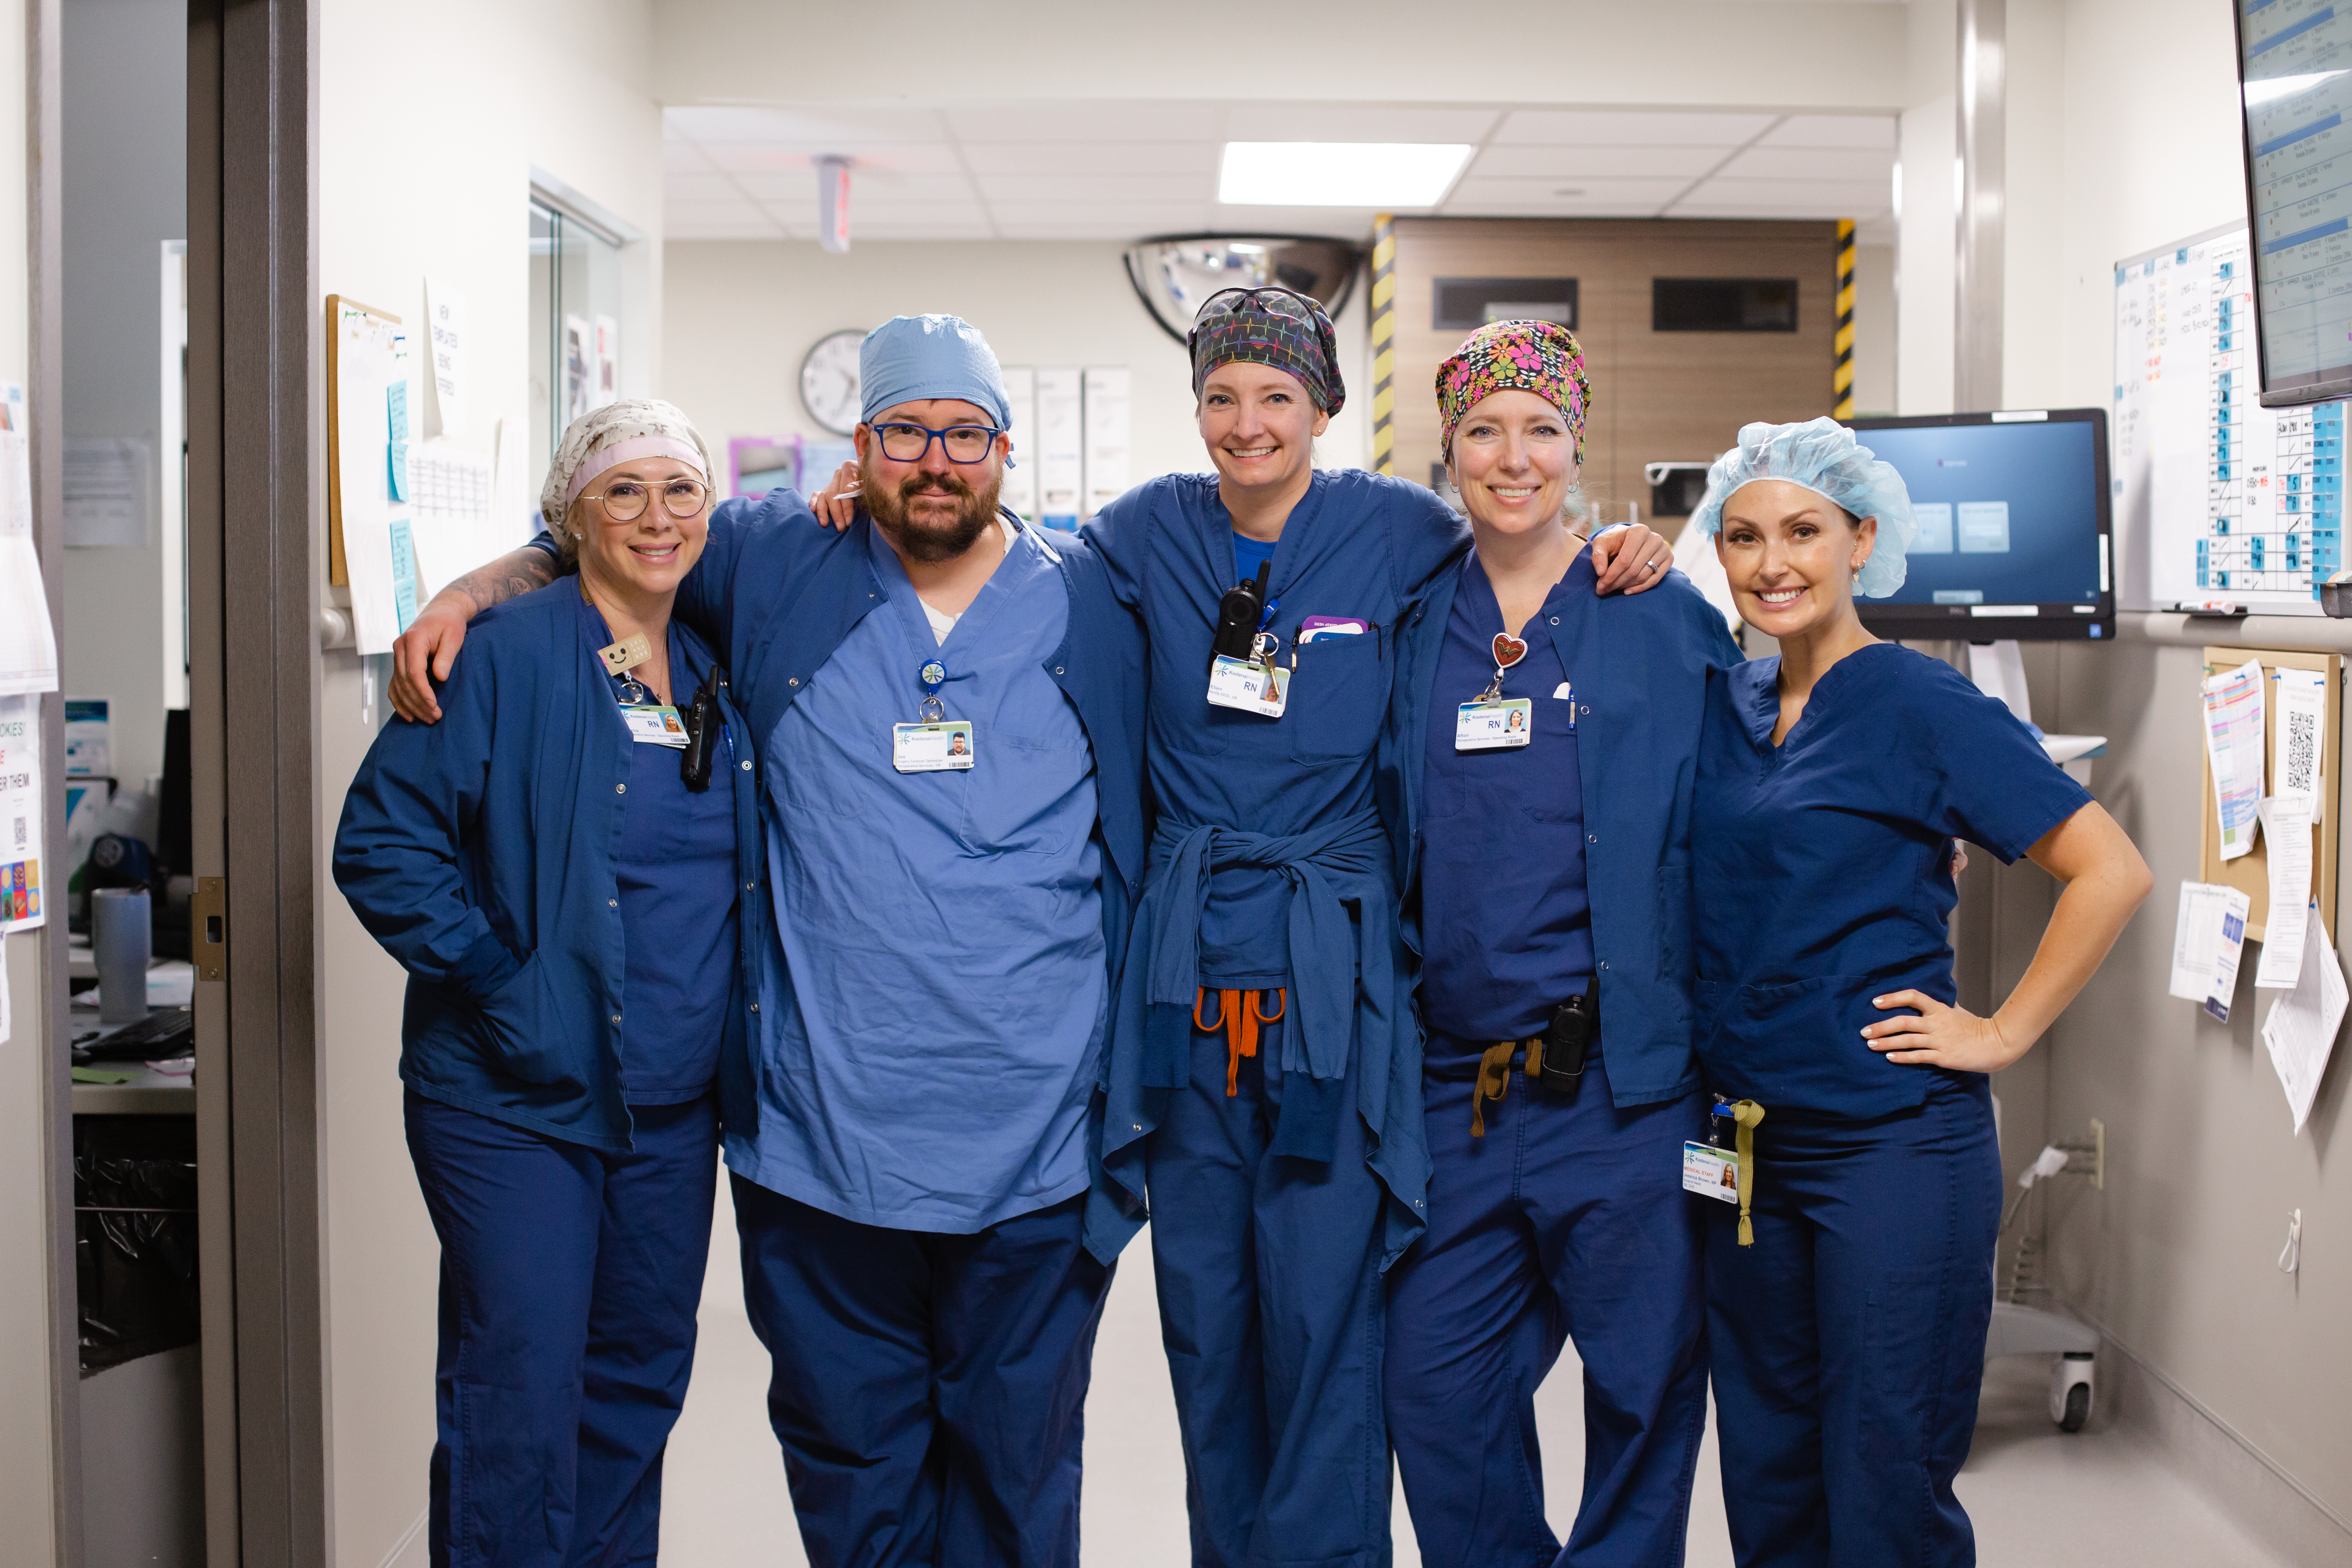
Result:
{"points": [[2013, 526]]}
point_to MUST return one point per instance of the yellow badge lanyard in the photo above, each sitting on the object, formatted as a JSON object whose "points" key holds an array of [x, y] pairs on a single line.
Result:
{"points": [[1746, 1116]]}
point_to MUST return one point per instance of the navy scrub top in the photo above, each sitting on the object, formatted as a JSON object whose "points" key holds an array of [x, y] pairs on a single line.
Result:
{"points": [[1505, 921], [675, 862], [1823, 871]]}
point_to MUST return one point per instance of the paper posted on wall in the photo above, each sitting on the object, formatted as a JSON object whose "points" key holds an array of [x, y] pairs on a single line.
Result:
{"points": [[2234, 745], [2300, 1031], [2209, 939], [29, 643], [21, 904], [2298, 763], [2286, 828]]}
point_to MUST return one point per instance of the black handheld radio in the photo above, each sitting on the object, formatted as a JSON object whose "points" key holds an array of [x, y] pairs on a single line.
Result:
{"points": [[702, 727], [1238, 615]]}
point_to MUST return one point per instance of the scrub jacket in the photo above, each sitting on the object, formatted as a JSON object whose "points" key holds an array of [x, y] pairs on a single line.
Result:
{"points": [[1825, 862], [1642, 665], [1267, 829], [481, 852], [779, 594]]}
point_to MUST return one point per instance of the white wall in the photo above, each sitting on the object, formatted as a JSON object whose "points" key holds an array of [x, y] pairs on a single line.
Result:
{"points": [[741, 314], [430, 117], [1874, 328], [125, 177]]}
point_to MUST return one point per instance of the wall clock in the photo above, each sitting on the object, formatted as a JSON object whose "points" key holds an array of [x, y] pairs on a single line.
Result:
{"points": [[829, 381]]}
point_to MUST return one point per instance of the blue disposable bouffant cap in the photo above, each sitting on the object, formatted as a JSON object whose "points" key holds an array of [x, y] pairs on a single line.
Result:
{"points": [[909, 358], [1822, 455]]}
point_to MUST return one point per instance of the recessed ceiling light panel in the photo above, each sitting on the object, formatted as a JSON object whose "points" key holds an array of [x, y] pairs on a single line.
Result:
{"points": [[1339, 174]]}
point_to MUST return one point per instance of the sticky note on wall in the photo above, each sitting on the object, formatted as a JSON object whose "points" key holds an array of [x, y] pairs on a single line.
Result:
{"points": [[395, 399], [397, 479]]}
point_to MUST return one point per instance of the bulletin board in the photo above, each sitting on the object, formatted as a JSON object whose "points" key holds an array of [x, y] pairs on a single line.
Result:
{"points": [[2250, 872], [346, 317], [371, 541]]}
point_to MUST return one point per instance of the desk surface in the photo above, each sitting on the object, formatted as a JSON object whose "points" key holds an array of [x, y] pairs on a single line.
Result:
{"points": [[149, 1093]]}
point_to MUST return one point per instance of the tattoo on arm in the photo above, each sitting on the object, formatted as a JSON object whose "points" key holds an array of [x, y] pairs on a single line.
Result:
{"points": [[516, 572]]}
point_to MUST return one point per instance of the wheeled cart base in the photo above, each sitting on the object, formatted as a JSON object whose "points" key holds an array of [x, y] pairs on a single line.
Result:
{"points": [[2029, 1331]]}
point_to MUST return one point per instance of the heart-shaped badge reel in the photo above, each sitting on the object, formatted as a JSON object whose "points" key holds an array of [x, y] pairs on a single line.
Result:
{"points": [[1508, 650]]}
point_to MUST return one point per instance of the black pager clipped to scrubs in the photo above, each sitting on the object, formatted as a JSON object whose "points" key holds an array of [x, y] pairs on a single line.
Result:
{"points": [[1568, 1038], [702, 727], [1239, 614]]}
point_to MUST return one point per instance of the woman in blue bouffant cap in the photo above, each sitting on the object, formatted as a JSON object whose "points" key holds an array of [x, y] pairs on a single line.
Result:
{"points": [[1848, 1287]]}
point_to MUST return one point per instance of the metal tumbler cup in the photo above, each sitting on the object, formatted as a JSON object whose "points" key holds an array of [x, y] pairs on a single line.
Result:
{"points": [[122, 939]]}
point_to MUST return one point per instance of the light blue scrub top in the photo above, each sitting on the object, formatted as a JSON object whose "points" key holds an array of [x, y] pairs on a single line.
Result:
{"points": [[904, 956]]}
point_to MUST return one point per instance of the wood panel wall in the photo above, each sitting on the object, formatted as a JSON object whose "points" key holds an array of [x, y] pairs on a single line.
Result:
{"points": [[1655, 395]]}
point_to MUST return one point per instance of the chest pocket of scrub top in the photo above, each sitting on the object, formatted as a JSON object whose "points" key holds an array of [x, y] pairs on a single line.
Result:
{"points": [[1022, 805], [1339, 695]]}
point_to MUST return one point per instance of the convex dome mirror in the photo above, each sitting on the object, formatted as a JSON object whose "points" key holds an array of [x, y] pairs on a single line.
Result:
{"points": [[1174, 274]]}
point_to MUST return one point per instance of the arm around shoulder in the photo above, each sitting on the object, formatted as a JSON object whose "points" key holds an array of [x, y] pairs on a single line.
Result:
{"points": [[427, 651]]}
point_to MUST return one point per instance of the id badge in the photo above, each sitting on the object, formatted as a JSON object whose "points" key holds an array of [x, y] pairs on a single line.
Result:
{"points": [[1249, 685], [1710, 1171], [931, 748], [653, 726], [1492, 726]]}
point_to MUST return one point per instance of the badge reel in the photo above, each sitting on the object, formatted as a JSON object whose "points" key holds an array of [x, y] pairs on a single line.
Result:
{"points": [[934, 743], [1709, 1169], [650, 723], [1492, 722], [1242, 671]]}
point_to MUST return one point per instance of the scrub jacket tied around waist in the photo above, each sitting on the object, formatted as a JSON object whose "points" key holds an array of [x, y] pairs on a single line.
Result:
{"points": [[1268, 839], [779, 593], [1825, 864], [481, 852], [1640, 667]]}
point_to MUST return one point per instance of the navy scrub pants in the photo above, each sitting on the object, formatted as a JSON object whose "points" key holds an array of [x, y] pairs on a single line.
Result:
{"points": [[1567, 1220], [1848, 1342], [570, 1278], [928, 1389], [1271, 1311]]}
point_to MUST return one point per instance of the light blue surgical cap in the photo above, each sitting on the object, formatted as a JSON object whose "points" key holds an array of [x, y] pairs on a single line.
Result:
{"points": [[1822, 455], [909, 358]]}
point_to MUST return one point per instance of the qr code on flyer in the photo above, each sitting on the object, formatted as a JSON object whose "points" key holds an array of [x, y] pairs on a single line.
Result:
{"points": [[2301, 744]]}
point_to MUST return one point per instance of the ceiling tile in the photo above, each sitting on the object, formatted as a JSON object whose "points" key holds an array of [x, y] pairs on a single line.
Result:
{"points": [[706, 187], [1832, 131], [1092, 157], [1091, 121], [713, 220], [873, 185], [905, 157], [1604, 162], [1852, 198], [1856, 164], [946, 213], [867, 233], [1129, 189], [1629, 128], [1354, 122], [680, 156], [1497, 198], [1082, 227], [1136, 217], [825, 124]]}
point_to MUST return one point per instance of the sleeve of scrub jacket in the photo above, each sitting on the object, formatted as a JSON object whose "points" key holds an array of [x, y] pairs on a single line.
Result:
{"points": [[1995, 784], [704, 605], [396, 852], [1425, 536], [1122, 536]]}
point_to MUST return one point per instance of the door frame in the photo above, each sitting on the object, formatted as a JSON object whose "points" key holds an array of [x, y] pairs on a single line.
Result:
{"points": [[255, 373]]}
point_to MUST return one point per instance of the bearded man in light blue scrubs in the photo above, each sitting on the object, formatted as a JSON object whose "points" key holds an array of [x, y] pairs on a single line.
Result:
{"points": [[910, 1142]]}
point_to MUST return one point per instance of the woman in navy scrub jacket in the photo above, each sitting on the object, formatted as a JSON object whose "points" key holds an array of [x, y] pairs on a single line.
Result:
{"points": [[1850, 1289], [1545, 862], [1263, 1072], [561, 880]]}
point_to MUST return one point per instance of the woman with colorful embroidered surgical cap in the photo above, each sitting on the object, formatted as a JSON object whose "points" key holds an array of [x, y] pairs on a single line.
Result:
{"points": [[1847, 1287], [1544, 751], [556, 865]]}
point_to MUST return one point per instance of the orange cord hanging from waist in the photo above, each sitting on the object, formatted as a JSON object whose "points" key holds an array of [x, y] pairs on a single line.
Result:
{"points": [[1241, 1012]]}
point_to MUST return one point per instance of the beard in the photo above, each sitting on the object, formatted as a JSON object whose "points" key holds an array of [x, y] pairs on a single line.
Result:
{"points": [[931, 537]]}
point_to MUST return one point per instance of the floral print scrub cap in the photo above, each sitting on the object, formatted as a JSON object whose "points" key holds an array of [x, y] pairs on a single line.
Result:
{"points": [[1541, 357], [1822, 455], [1269, 326], [619, 432]]}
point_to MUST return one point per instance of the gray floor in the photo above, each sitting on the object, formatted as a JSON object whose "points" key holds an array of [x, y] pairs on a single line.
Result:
{"points": [[2039, 1496]]}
